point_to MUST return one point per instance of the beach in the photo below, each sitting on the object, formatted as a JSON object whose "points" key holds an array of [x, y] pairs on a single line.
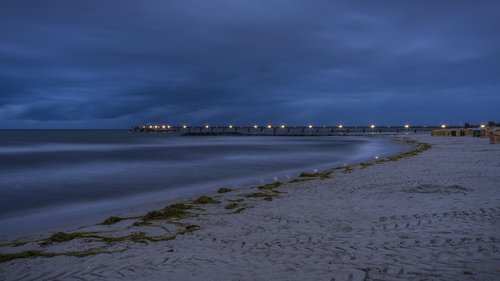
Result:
{"points": [[429, 214]]}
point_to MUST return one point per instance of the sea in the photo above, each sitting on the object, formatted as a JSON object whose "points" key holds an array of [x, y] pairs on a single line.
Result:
{"points": [[62, 179]]}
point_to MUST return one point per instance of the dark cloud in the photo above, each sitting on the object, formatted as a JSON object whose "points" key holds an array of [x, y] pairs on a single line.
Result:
{"points": [[118, 63]]}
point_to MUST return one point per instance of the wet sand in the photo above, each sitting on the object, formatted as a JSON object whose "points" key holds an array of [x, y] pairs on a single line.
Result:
{"points": [[433, 216]]}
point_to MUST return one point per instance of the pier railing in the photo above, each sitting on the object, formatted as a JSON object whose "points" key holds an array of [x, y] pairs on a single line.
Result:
{"points": [[281, 130]]}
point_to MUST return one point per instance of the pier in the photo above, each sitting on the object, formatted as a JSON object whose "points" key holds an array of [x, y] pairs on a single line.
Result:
{"points": [[282, 130]]}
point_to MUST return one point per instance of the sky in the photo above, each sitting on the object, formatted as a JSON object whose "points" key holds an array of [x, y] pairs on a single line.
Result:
{"points": [[119, 63]]}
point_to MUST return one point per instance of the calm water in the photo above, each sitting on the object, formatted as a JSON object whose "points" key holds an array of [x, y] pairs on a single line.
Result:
{"points": [[52, 176]]}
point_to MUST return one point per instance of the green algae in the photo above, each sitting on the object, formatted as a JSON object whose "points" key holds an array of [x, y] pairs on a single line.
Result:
{"points": [[205, 200], [112, 220], [224, 190], [270, 186], [300, 180], [262, 195], [232, 205]]}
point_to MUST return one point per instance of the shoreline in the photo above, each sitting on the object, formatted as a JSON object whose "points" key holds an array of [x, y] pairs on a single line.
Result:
{"points": [[300, 211], [302, 176], [138, 204]]}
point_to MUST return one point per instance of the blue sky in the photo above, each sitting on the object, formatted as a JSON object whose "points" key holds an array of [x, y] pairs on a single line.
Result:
{"points": [[102, 64]]}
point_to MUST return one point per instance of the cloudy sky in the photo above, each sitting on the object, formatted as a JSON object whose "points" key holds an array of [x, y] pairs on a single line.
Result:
{"points": [[116, 63]]}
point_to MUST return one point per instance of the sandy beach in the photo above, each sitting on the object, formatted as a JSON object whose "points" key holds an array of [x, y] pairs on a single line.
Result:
{"points": [[431, 216]]}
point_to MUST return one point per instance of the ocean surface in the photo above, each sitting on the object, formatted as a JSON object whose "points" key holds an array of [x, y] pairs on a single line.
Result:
{"points": [[62, 178]]}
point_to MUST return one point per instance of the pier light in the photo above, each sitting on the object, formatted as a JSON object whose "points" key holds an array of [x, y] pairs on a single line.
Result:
{"points": [[206, 126], [255, 126], [163, 127], [372, 126], [168, 127], [269, 126], [483, 126], [282, 126], [407, 126], [184, 126], [341, 126], [230, 126], [310, 126], [443, 126]]}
